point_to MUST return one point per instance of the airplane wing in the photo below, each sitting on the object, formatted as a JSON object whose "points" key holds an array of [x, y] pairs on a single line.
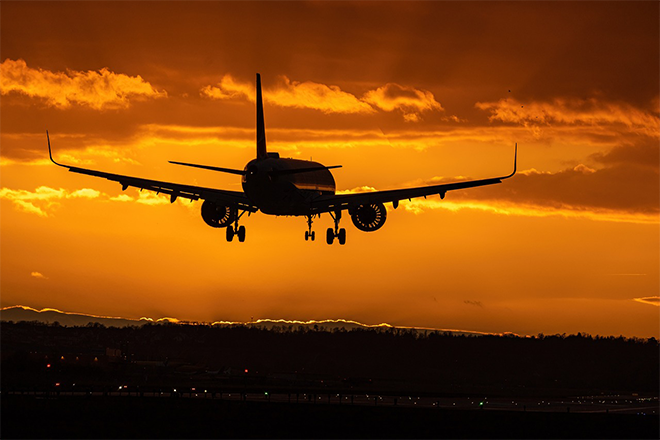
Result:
{"points": [[175, 190], [345, 201]]}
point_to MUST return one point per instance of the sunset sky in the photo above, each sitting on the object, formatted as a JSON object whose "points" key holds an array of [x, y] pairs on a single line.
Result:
{"points": [[400, 94]]}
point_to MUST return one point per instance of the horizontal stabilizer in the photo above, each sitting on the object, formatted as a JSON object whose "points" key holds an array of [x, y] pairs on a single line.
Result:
{"points": [[207, 167]]}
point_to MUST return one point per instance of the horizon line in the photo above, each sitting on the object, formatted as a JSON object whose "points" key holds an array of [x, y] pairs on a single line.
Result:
{"points": [[171, 320]]}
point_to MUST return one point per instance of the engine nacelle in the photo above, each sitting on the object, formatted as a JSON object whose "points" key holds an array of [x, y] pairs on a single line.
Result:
{"points": [[369, 218], [217, 216]]}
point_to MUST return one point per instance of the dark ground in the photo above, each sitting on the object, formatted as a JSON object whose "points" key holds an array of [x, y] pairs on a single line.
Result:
{"points": [[70, 382], [132, 417]]}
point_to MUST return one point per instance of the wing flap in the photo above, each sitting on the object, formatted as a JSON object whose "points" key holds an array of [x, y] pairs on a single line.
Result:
{"points": [[346, 201], [175, 190]]}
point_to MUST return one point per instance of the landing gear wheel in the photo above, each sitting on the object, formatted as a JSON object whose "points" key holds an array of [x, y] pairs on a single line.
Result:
{"points": [[342, 236], [241, 234], [330, 236], [309, 235], [230, 233]]}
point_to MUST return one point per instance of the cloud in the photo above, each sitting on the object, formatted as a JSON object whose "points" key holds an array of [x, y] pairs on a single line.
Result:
{"points": [[573, 111], [44, 199], [86, 193], [357, 190], [410, 101], [230, 88], [656, 104], [328, 99], [27, 201], [645, 155], [625, 185], [99, 90], [150, 198], [287, 93], [652, 300], [38, 275], [122, 198], [473, 303]]}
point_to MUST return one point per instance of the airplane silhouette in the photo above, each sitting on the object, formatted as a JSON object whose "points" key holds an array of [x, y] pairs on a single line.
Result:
{"points": [[281, 186]]}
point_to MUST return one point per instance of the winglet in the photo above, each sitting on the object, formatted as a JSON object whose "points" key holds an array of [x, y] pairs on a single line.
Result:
{"points": [[515, 163], [50, 153]]}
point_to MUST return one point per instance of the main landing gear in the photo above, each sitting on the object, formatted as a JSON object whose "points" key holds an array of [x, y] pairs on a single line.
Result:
{"points": [[309, 234], [340, 234], [332, 233], [236, 230]]}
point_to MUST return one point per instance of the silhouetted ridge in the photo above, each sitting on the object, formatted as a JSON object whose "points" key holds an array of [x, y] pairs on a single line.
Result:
{"points": [[50, 316]]}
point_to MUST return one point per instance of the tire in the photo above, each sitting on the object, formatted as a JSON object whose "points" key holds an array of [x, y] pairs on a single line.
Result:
{"points": [[306, 235], [230, 233], [342, 236], [330, 236], [241, 234], [313, 235]]}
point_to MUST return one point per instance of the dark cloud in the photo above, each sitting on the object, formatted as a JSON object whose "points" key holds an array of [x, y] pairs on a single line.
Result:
{"points": [[622, 188], [642, 154], [473, 303], [537, 49]]}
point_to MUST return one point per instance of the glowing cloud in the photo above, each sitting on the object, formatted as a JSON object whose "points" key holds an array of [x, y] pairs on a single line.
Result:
{"points": [[229, 88], [359, 189], [149, 198], [328, 99], [38, 275], [44, 199], [410, 101], [287, 93], [564, 111], [98, 90], [25, 200], [652, 300], [86, 193]]}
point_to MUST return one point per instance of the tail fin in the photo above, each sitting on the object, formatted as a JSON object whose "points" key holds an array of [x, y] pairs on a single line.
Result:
{"points": [[261, 131]]}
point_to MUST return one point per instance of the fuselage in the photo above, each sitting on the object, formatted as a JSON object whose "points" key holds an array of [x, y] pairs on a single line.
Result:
{"points": [[269, 184]]}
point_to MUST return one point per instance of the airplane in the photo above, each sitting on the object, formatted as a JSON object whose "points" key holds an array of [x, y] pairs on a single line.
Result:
{"points": [[281, 186]]}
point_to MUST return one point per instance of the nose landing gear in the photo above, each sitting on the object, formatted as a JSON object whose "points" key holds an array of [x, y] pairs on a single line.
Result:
{"points": [[309, 234], [338, 233]]}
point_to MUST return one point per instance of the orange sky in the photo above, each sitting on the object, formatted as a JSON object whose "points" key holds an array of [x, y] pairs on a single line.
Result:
{"points": [[400, 94]]}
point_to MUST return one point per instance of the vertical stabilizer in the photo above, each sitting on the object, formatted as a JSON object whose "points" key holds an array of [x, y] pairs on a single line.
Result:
{"points": [[261, 131]]}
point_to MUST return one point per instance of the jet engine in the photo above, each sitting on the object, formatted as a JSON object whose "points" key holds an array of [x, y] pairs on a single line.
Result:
{"points": [[217, 216], [369, 218]]}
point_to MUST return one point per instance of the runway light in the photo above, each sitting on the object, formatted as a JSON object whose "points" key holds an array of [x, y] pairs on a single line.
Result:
{"points": [[48, 366], [246, 370]]}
